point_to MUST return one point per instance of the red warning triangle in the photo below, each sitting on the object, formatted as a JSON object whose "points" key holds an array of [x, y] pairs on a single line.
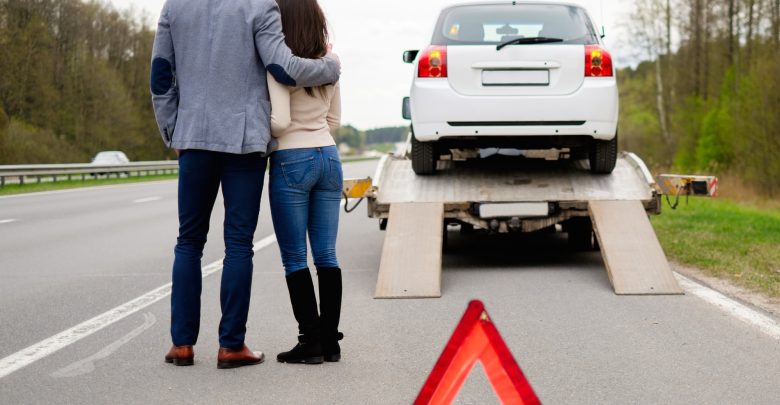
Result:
{"points": [[476, 339]]}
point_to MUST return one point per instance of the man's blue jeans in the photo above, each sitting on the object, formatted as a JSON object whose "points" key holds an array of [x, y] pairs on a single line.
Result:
{"points": [[200, 175], [305, 194]]}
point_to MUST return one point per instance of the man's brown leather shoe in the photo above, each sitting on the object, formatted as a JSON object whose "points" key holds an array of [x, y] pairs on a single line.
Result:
{"points": [[181, 356], [227, 358]]}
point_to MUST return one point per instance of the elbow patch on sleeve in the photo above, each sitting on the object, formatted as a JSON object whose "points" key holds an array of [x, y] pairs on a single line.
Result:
{"points": [[162, 76], [281, 75]]}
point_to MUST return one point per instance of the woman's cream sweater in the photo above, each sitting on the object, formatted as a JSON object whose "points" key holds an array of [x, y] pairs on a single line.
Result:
{"points": [[299, 120]]}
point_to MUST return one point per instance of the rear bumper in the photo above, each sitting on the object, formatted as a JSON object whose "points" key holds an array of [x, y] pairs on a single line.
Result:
{"points": [[440, 112]]}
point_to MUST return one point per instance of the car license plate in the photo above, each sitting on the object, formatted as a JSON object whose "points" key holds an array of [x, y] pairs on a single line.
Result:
{"points": [[520, 210], [539, 77]]}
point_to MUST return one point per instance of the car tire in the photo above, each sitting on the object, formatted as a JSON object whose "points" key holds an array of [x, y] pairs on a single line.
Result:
{"points": [[580, 235], [423, 157], [603, 156]]}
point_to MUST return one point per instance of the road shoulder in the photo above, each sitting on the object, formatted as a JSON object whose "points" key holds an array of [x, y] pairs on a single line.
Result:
{"points": [[769, 305]]}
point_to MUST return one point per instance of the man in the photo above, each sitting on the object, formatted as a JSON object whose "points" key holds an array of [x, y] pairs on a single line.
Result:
{"points": [[209, 90]]}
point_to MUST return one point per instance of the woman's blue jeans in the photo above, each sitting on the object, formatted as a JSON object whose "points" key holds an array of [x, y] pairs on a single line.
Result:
{"points": [[305, 193], [201, 173]]}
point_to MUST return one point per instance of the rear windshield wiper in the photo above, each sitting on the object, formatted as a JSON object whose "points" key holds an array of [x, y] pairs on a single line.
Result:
{"points": [[531, 40]]}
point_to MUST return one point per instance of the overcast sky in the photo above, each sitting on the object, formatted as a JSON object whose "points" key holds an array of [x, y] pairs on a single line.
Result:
{"points": [[371, 35]]}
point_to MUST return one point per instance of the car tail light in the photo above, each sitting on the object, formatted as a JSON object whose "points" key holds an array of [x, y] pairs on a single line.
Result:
{"points": [[598, 62], [433, 62]]}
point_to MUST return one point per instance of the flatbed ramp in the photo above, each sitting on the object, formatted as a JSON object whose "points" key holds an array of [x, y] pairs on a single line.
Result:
{"points": [[634, 259], [411, 257], [417, 207]]}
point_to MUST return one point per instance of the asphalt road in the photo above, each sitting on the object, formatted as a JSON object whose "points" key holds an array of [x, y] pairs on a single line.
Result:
{"points": [[67, 257]]}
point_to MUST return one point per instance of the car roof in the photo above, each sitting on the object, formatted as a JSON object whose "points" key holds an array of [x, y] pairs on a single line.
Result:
{"points": [[508, 2]]}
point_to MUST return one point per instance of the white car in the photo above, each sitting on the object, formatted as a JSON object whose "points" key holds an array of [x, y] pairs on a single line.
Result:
{"points": [[513, 74], [110, 158]]}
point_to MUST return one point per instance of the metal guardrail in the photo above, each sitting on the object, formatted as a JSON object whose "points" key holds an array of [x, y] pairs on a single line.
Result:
{"points": [[83, 170]]}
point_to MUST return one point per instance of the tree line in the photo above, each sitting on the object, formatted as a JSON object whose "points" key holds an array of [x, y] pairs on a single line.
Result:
{"points": [[74, 82], [361, 140], [707, 97]]}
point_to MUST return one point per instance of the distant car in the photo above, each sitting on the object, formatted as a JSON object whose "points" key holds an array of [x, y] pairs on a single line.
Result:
{"points": [[109, 158], [519, 74]]}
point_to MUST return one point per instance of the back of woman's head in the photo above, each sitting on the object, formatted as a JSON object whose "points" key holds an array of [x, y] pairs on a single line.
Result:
{"points": [[305, 29]]}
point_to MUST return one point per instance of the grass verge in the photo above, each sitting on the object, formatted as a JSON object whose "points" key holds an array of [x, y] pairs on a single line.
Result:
{"points": [[725, 239], [357, 159], [62, 185]]}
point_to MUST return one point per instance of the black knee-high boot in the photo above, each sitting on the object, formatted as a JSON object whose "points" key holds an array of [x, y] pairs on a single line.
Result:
{"points": [[330, 312], [304, 304]]}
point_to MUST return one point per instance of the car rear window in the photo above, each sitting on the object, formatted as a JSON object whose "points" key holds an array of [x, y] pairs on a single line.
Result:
{"points": [[495, 24]]}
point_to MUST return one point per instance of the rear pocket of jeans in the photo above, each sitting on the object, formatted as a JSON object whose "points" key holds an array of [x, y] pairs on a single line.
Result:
{"points": [[335, 174], [299, 173]]}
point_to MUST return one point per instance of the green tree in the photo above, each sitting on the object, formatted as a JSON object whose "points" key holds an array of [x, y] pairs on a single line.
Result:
{"points": [[351, 136], [387, 135], [74, 74], [721, 89]]}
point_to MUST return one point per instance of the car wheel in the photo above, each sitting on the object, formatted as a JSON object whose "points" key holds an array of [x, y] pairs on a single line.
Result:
{"points": [[581, 236], [423, 157], [603, 156]]}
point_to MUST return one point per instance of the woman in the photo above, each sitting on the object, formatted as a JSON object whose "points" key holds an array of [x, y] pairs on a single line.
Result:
{"points": [[305, 189]]}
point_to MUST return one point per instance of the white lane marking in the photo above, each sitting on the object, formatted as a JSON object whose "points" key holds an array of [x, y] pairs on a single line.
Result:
{"points": [[66, 338], [147, 200], [740, 311], [87, 365], [7, 221]]}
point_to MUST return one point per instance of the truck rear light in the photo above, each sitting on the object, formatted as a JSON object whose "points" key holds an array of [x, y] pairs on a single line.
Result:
{"points": [[433, 62], [598, 62]]}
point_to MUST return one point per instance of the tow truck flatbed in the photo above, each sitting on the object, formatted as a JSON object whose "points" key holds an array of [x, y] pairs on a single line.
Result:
{"points": [[566, 187], [606, 212], [548, 181]]}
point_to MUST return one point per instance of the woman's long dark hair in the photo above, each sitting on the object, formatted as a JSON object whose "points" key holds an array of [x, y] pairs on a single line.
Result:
{"points": [[305, 29]]}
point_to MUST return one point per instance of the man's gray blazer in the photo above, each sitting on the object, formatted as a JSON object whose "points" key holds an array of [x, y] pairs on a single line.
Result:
{"points": [[208, 77]]}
